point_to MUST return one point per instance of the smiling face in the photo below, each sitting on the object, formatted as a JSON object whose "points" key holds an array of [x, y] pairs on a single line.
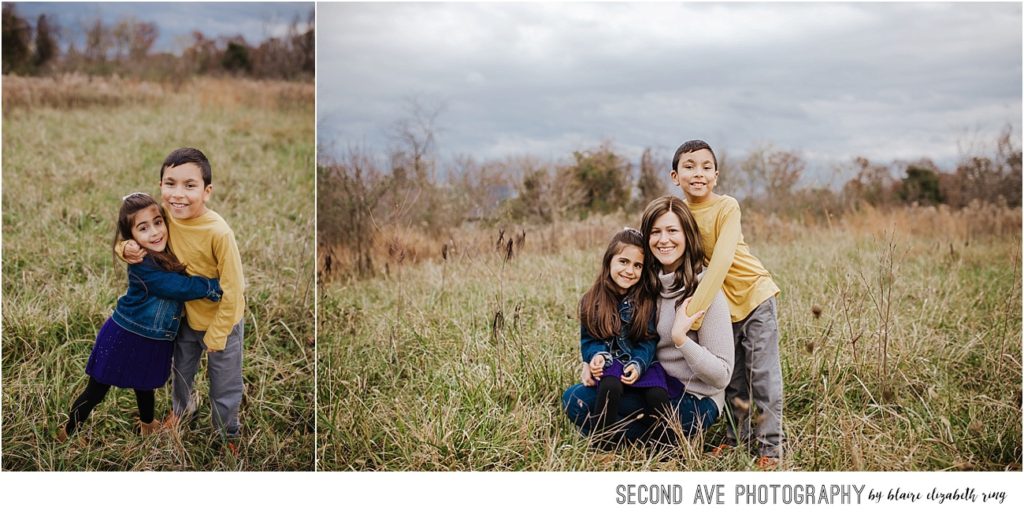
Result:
{"points": [[667, 241], [149, 230], [626, 267], [183, 191], [696, 175]]}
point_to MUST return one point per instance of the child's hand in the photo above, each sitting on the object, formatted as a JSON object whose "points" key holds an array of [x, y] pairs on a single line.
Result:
{"points": [[683, 323], [585, 377], [630, 374], [133, 253], [597, 366]]}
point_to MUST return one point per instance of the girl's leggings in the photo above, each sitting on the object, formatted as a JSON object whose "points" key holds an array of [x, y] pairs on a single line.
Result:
{"points": [[609, 394], [94, 394]]}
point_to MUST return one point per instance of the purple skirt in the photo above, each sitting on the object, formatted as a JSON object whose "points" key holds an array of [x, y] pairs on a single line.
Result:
{"points": [[123, 359], [655, 376]]}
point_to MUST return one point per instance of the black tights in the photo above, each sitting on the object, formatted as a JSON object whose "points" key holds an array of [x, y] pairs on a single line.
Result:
{"points": [[94, 394], [609, 394]]}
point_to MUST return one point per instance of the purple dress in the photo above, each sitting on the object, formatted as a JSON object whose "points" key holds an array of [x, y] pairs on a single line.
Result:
{"points": [[655, 376], [123, 359]]}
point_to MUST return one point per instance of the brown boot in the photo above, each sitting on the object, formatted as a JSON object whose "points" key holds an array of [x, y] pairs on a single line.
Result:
{"points": [[150, 428]]}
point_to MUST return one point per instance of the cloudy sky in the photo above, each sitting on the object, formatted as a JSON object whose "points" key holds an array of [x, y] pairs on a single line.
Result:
{"points": [[832, 81], [176, 20]]}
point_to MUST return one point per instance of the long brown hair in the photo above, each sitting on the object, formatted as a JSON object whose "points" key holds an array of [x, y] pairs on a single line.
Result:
{"points": [[693, 254], [132, 204], [599, 312]]}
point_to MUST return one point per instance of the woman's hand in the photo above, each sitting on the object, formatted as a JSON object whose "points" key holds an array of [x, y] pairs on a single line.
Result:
{"points": [[597, 366], [630, 374], [682, 323], [585, 377]]}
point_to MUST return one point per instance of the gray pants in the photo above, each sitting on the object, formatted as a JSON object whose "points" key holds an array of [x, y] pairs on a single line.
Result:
{"points": [[758, 374], [224, 370]]}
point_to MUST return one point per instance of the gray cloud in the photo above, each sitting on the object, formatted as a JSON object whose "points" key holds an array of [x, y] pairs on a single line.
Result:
{"points": [[886, 81]]}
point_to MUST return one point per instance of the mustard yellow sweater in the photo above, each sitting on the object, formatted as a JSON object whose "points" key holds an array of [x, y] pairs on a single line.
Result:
{"points": [[730, 265], [206, 246]]}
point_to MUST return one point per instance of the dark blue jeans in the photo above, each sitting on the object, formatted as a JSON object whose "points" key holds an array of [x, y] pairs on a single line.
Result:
{"points": [[695, 414]]}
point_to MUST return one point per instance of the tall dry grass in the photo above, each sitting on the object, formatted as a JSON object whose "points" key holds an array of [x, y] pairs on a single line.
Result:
{"points": [[901, 336], [396, 245], [77, 91], [71, 150]]}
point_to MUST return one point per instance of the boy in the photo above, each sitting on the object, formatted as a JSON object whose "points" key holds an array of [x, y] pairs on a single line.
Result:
{"points": [[204, 242], [750, 291]]}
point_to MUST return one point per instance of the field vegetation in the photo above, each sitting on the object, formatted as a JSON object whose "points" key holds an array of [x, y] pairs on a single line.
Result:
{"points": [[72, 147], [448, 326], [901, 344]]}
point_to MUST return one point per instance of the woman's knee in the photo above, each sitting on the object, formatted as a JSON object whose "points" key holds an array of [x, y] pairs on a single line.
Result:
{"points": [[577, 401], [695, 415]]}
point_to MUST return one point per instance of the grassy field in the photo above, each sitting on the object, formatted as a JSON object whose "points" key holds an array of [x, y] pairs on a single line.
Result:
{"points": [[913, 361], [72, 148]]}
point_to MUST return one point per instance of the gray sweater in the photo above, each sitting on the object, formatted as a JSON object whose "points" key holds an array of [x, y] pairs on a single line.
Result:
{"points": [[704, 362]]}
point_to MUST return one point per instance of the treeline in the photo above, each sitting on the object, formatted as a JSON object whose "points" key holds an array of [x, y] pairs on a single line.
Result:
{"points": [[125, 48], [409, 186], [769, 180]]}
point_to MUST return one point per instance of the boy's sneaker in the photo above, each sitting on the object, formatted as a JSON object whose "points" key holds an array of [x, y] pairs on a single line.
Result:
{"points": [[721, 450], [171, 421], [234, 446], [766, 463]]}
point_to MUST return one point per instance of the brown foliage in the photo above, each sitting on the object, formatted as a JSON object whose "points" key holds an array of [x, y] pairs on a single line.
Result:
{"points": [[75, 91]]}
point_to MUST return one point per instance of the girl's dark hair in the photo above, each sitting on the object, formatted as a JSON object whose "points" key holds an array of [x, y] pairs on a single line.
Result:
{"points": [[692, 146], [693, 255], [132, 204], [599, 312]]}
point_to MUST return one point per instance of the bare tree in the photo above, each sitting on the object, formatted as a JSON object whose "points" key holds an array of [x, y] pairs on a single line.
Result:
{"points": [[143, 37], [98, 40], [651, 182], [872, 184], [414, 197], [784, 170], [348, 193]]}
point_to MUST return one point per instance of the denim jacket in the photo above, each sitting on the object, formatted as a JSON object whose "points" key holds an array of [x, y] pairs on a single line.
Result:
{"points": [[620, 347], [152, 306]]}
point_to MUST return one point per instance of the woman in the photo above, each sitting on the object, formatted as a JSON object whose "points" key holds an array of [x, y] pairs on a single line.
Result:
{"points": [[701, 361]]}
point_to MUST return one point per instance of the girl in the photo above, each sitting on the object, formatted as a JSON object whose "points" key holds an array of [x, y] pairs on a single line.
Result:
{"points": [[697, 363], [133, 348], [617, 336]]}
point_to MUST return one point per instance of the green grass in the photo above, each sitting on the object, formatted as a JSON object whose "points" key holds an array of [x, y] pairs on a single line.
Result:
{"points": [[412, 375], [64, 173]]}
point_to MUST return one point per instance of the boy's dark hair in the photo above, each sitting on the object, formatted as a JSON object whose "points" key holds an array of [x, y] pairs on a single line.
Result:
{"points": [[692, 146], [187, 155]]}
